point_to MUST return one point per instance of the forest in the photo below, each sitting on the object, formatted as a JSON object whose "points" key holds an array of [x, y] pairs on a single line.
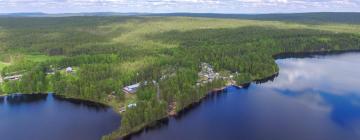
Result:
{"points": [[310, 18], [163, 54]]}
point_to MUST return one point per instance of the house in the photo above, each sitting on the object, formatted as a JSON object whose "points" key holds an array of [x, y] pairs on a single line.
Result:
{"points": [[131, 105], [132, 88], [122, 109], [69, 69], [206, 74], [14, 77]]}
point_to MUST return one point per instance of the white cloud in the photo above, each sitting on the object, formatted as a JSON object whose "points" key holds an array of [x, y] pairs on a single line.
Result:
{"points": [[220, 6]]}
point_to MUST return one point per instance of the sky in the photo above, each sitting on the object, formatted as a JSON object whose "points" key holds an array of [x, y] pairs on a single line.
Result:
{"points": [[171, 6]]}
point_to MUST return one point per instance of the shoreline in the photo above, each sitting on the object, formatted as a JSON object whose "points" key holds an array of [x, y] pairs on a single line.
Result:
{"points": [[304, 54], [284, 55], [63, 97], [214, 91]]}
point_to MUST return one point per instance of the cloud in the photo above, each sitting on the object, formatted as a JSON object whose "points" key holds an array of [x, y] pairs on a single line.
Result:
{"points": [[219, 6]]}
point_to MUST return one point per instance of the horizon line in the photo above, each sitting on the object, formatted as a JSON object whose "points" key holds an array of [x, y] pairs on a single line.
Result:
{"points": [[49, 13]]}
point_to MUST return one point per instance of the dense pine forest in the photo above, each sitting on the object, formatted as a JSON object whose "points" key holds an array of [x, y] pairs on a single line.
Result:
{"points": [[163, 54], [310, 18]]}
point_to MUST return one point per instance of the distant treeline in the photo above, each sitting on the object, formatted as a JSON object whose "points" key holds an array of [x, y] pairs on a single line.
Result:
{"points": [[321, 17], [312, 17]]}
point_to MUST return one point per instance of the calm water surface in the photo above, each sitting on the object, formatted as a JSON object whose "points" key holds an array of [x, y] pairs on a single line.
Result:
{"points": [[311, 99], [48, 117]]}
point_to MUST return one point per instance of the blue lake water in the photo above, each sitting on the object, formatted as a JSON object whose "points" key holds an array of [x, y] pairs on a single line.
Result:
{"points": [[49, 117], [314, 98]]}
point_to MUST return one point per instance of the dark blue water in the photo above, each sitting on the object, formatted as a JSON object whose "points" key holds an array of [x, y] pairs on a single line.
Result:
{"points": [[48, 117], [311, 99]]}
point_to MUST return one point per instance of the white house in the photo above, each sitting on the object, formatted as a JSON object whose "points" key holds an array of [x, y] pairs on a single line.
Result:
{"points": [[14, 77], [131, 88], [132, 105]]}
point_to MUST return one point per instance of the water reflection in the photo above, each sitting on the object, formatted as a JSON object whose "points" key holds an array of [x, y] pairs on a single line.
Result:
{"points": [[315, 98], [19, 99], [331, 81], [2, 99], [335, 74], [83, 103]]}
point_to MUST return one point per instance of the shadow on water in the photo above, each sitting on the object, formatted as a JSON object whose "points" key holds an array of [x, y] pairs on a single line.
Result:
{"points": [[259, 81], [19, 99], [265, 80], [85, 103], [160, 124], [2, 99]]}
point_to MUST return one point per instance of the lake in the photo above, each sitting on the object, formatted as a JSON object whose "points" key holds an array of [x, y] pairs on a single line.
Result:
{"points": [[315, 98], [50, 117]]}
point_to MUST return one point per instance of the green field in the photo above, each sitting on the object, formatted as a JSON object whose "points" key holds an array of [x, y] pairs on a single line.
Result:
{"points": [[2, 65], [112, 52]]}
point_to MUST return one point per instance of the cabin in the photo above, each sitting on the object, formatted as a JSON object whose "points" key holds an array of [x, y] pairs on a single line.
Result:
{"points": [[122, 109], [131, 105], [14, 77], [132, 88]]}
